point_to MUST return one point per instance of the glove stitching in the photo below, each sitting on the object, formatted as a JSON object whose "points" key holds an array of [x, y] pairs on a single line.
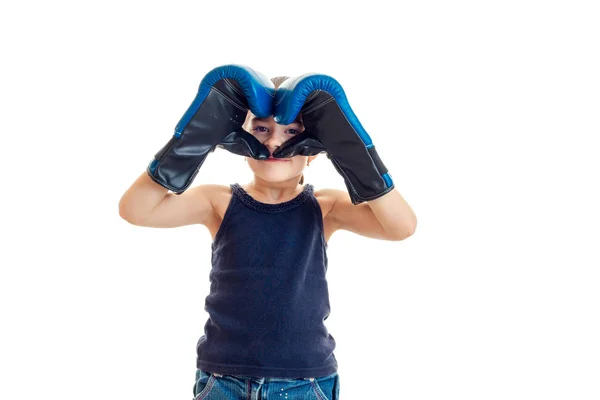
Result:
{"points": [[173, 188], [318, 106], [232, 86], [341, 171], [260, 80], [314, 94], [281, 99], [242, 108], [366, 146], [378, 195]]}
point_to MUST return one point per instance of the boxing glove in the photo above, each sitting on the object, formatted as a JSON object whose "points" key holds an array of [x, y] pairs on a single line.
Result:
{"points": [[332, 127], [214, 119]]}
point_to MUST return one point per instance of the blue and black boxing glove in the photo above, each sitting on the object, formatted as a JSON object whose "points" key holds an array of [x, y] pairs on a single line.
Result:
{"points": [[214, 118], [331, 127]]}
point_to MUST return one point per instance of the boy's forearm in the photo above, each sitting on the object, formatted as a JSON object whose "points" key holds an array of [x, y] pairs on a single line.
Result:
{"points": [[141, 198], [394, 214]]}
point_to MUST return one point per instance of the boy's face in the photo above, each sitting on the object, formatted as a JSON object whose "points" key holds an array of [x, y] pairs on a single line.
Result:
{"points": [[273, 135], [270, 133]]}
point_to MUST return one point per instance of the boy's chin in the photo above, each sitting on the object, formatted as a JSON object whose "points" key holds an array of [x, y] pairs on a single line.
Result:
{"points": [[278, 178]]}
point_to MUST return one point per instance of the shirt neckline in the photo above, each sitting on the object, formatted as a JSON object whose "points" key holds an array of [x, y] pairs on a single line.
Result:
{"points": [[268, 207]]}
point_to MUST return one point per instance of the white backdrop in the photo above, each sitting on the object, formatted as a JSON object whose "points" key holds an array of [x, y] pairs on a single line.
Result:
{"points": [[485, 113]]}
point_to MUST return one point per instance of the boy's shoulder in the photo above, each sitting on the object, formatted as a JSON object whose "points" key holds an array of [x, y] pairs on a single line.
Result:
{"points": [[327, 198], [214, 191], [328, 195], [219, 196]]}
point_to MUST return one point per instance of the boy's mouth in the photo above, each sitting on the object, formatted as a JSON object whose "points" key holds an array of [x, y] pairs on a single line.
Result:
{"points": [[273, 159]]}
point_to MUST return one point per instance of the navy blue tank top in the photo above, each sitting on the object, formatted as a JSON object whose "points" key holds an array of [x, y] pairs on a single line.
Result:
{"points": [[268, 294]]}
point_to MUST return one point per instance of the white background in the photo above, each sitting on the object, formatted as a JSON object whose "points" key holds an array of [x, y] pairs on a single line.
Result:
{"points": [[485, 113]]}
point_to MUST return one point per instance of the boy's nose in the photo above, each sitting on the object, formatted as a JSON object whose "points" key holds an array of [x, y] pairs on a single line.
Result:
{"points": [[272, 142], [272, 148]]}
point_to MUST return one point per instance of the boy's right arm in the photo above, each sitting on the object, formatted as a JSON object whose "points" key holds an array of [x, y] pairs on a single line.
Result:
{"points": [[146, 203], [215, 118]]}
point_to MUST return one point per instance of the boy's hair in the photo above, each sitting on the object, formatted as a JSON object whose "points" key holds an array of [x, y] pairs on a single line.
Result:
{"points": [[278, 80]]}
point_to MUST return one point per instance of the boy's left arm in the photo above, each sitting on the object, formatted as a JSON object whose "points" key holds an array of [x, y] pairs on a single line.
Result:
{"points": [[372, 207], [394, 214], [388, 217]]}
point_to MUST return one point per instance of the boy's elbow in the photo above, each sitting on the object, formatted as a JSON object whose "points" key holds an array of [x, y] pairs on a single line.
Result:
{"points": [[127, 215], [406, 233], [413, 227], [404, 236]]}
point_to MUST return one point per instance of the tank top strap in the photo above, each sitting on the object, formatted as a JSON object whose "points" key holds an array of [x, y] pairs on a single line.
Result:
{"points": [[254, 204]]}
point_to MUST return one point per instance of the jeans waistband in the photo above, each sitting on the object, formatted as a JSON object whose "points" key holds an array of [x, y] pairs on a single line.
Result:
{"points": [[262, 380]]}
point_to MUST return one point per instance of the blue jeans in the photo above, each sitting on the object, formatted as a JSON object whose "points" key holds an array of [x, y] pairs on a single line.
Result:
{"points": [[213, 386]]}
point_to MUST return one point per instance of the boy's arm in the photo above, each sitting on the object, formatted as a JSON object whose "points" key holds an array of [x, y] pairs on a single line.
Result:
{"points": [[146, 203], [388, 217], [395, 215]]}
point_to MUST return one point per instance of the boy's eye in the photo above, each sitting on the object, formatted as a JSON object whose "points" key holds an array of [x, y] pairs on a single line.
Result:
{"points": [[294, 131], [260, 128]]}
